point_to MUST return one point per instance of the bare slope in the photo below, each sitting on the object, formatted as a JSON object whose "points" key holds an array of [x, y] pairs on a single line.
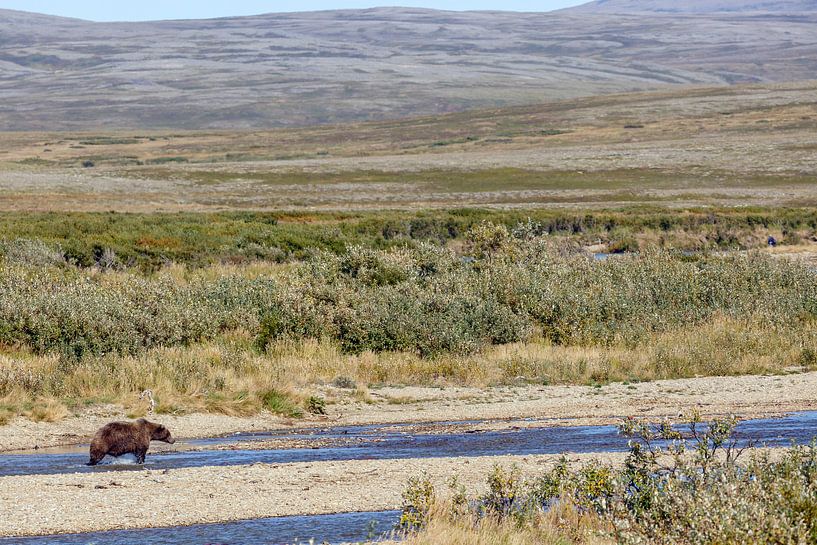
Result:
{"points": [[333, 66], [697, 6]]}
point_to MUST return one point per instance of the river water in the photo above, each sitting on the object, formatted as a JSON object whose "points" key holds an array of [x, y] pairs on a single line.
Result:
{"points": [[370, 443]]}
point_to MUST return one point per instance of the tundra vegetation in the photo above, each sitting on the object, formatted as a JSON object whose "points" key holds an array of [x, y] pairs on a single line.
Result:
{"points": [[149, 242], [687, 485], [495, 305]]}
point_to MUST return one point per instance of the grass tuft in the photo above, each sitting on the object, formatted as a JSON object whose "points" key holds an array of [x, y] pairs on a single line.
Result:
{"points": [[281, 403]]}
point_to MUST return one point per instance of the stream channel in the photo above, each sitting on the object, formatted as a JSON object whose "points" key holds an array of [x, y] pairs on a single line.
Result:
{"points": [[356, 443]]}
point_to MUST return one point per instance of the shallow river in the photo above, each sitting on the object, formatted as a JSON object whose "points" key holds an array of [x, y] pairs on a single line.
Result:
{"points": [[370, 443], [346, 527]]}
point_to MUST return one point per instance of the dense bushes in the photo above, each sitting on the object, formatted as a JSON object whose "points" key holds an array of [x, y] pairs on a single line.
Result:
{"points": [[151, 241], [424, 299], [75, 314], [436, 301], [223, 337], [626, 299], [700, 490]]}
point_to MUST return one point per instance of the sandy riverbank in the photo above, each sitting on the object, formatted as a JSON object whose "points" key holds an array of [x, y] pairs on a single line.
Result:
{"points": [[750, 396], [69, 503]]}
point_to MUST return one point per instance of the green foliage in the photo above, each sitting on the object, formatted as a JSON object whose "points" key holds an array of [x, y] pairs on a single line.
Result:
{"points": [[108, 141], [278, 402], [504, 492], [316, 405], [165, 160], [694, 490], [625, 299], [623, 244], [808, 357], [418, 499], [30, 252], [706, 497], [424, 299], [68, 312], [149, 241], [488, 239]]}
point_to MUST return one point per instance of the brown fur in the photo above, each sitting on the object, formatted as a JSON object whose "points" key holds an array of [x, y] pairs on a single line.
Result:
{"points": [[118, 438]]}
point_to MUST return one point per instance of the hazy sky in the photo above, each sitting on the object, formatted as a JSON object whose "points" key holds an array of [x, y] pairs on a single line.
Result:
{"points": [[142, 10]]}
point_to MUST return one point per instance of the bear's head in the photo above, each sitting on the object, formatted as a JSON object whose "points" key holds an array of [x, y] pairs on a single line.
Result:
{"points": [[161, 433]]}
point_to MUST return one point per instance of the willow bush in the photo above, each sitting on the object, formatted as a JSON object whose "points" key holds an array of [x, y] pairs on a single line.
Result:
{"points": [[688, 485], [505, 286]]}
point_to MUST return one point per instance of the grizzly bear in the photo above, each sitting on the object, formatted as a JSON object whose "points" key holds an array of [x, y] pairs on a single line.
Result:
{"points": [[118, 438]]}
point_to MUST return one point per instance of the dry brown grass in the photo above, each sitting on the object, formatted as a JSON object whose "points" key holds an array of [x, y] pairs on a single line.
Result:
{"points": [[562, 525], [228, 376], [721, 347], [47, 410]]}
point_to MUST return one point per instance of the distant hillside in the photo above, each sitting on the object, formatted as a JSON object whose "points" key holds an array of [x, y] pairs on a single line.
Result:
{"points": [[698, 6], [335, 66]]}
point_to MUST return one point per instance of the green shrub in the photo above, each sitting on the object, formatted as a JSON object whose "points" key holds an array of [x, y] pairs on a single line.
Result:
{"points": [[625, 244], [422, 299], [149, 241], [418, 499], [690, 489], [428, 323], [30, 252], [316, 405], [505, 492], [77, 315], [278, 402], [808, 357]]}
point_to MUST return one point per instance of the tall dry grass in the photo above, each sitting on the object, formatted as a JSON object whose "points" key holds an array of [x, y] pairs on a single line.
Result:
{"points": [[563, 525], [230, 375]]}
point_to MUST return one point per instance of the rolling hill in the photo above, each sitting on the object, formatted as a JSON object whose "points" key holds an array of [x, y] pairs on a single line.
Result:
{"points": [[300, 69], [698, 6]]}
